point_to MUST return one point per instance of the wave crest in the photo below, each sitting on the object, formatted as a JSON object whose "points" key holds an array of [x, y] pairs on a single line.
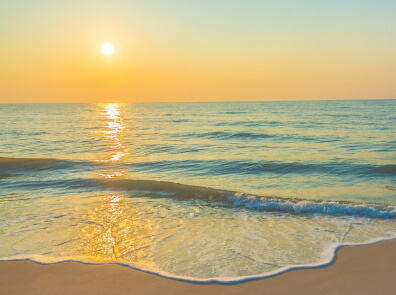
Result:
{"points": [[305, 206]]}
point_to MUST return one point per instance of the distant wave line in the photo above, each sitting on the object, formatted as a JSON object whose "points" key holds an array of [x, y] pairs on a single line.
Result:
{"points": [[206, 167]]}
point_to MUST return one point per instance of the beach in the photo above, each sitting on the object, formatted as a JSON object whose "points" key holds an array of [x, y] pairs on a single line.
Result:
{"points": [[197, 147], [366, 269]]}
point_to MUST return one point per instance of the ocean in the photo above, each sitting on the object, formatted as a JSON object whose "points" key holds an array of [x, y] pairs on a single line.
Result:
{"points": [[203, 192]]}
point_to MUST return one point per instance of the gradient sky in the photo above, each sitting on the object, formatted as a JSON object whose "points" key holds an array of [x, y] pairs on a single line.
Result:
{"points": [[180, 50]]}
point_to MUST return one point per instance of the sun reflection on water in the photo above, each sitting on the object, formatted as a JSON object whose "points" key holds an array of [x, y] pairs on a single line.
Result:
{"points": [[113, 131], [111, 174], [117, 230]]}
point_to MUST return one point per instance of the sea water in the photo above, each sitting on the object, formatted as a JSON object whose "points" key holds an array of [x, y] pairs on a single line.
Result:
{"points": [[196, 191]]}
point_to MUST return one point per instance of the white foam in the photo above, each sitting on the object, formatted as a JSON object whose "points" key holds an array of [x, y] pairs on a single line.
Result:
{"points": [[328, 258], [305, 206]]}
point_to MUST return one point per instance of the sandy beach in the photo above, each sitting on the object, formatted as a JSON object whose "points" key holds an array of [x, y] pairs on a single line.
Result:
{"points": [[366, 269]]}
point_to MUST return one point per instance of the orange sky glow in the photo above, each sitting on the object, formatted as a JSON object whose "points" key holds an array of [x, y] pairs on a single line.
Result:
{"points": [[50, 51]]}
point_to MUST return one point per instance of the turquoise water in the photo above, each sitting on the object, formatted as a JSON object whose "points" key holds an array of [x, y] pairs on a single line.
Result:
{"points": [[199, 191]]}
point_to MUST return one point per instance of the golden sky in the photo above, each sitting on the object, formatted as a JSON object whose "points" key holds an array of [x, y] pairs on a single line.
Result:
{"points": [[179, 50]]}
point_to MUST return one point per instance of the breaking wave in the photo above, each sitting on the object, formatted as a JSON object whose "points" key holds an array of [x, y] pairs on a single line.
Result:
{"points": [[11, 170], [306, 206]]}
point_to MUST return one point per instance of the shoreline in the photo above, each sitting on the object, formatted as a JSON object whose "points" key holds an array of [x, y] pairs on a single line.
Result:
{"points": [[358, 269], [229, 281]]}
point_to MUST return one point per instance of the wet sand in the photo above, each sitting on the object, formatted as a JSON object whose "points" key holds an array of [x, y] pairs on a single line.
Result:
{"points": [[368, 269]]}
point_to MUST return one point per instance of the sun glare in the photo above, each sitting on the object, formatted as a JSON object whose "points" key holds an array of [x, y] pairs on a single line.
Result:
{"points": [[107, 48]]}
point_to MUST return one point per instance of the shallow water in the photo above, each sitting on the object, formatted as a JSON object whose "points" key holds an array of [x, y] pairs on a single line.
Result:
{"points": [[201, 191]]}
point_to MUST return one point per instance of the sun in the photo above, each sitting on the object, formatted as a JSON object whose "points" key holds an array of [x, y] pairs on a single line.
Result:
{"points": [[107, 48]]}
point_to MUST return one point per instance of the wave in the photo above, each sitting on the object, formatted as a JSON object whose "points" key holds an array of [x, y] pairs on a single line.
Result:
{"points": [[224, 167], [236, 112], [233, 135], [249, 123], [386, 169], [11, 166], [39, 164], [8, 175], [164, 189], [257, 136], [151, 188], [12, 170], [307, 206]]}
